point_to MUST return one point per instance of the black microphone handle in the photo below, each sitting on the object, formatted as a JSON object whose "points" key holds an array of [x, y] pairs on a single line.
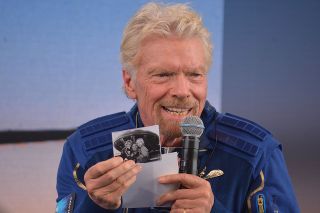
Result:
{"points": [[189, 158]]}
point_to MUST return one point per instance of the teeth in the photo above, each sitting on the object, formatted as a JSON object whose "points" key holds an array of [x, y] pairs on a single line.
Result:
{"points": [[176, 111]]}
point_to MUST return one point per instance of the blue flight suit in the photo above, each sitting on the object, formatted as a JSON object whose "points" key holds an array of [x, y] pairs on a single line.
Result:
{"points": [[255, 175]]}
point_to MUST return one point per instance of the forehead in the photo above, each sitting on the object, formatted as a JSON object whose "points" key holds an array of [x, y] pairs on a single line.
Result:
{"points": [[171, 53]]}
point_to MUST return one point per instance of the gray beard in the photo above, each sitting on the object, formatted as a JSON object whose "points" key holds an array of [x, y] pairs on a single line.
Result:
{"points": [[170, 130]]}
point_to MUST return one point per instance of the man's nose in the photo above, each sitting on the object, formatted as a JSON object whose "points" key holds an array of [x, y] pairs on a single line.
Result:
{"points": [[181, 87]]}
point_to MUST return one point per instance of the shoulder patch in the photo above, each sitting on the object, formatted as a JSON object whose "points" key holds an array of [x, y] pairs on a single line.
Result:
{"points": [[99, 141], [65, 205], [95, 136], [238, 143], [245, 125], [98, 133], [103, 123]]}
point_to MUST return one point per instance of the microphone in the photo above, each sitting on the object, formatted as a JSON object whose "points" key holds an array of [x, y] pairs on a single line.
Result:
{"points": [[191, 128]]}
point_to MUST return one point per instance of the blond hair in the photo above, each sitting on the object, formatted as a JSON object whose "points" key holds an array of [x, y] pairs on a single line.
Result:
{"points": [[163, 20]]}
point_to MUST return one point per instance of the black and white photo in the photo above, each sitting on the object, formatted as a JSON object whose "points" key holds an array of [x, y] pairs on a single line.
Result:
{"points": [[140, 145]]}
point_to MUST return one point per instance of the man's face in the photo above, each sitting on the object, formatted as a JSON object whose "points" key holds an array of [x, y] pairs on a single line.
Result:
{"points": [[127, 144], [140, 142], [170, 83], [134, 147]]}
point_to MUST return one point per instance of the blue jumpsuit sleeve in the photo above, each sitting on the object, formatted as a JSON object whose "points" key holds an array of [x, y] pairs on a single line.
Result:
{"points": [[67, 185], [65, 179], [273, 189]]}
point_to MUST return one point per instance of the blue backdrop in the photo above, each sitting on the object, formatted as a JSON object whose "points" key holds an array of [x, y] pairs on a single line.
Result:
{"points": [[59, 60]]}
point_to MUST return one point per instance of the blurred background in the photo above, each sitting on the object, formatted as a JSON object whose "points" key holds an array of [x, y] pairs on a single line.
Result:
{"points": [[60, 67]]}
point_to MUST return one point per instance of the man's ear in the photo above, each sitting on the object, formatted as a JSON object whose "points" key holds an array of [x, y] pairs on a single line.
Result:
{"points": [[128, 84]]}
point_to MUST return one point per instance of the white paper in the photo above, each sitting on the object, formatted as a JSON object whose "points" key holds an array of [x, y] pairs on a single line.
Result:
{"points": [[146, 190]]}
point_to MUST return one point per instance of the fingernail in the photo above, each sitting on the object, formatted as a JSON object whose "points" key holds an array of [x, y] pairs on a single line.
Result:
{"points": [[160, 179]]}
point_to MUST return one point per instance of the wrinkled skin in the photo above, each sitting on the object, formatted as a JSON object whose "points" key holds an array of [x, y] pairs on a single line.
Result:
{"points": [[108, 180], [195, 195], [170, 83]]}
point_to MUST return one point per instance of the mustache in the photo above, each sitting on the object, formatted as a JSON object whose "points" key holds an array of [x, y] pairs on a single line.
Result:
{"points": [[179, 103]]}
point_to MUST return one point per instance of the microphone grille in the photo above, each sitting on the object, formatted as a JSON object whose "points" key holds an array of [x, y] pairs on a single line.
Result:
{"points": [[192, 125]]}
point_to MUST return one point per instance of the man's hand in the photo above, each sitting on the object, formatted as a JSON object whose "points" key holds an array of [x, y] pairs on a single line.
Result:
{"points": [[108, 180], [195, 196]]}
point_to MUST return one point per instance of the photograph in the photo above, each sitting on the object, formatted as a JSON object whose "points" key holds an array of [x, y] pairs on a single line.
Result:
{"points": [[141, 145]]}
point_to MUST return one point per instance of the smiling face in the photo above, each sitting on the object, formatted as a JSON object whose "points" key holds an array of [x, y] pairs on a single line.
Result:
{"points": [[134, 147], [170, 82], [127, 144], [140, 142]]}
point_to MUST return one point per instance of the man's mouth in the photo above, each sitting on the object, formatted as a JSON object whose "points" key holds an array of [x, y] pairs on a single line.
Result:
{"points": [[177, 111]]}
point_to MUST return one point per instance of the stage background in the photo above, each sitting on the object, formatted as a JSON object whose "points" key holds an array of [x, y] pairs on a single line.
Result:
{"points": [[271, 75]]}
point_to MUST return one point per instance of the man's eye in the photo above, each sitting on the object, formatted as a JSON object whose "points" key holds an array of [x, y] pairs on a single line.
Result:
{"points": [[164, 75], [195, 75]]}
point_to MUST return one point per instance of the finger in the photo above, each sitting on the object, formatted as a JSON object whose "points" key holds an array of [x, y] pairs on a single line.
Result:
{"points": [[102, 167], [180, 194], [124, 187], [188, 204], [116, 192], [185, 210], [182, 210], [105, 199], [187, 180], [121, 180], [109, 177], [111, 198]]}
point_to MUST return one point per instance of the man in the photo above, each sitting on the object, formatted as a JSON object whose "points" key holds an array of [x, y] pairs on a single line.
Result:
{"points": [[126, 151], [166, 54], [143, 151]]}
